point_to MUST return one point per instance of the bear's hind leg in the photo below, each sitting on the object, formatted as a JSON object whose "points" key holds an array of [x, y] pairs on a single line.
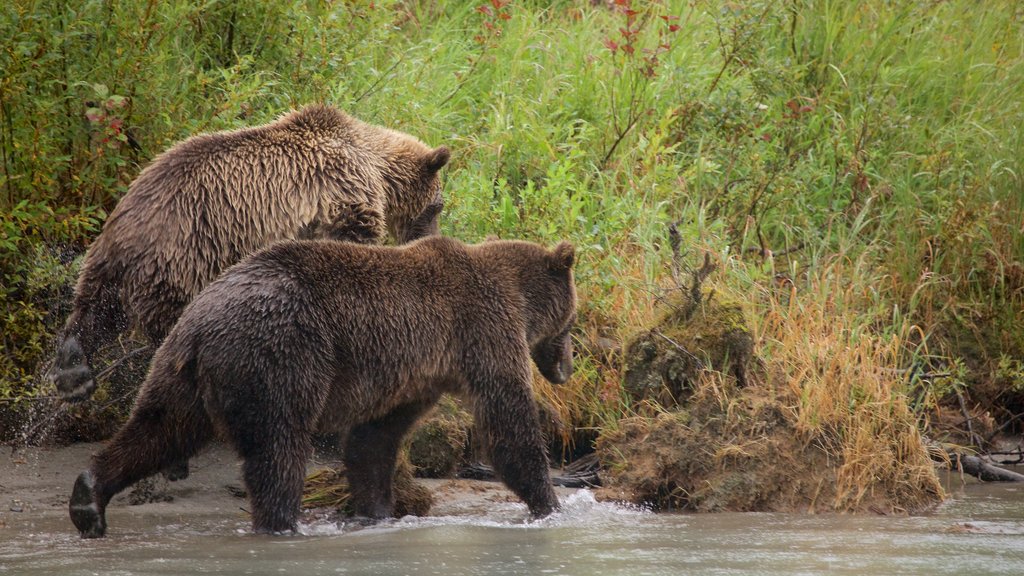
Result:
{"points": [[370, 454], [168, 424], [270, 415], [158, 308]]}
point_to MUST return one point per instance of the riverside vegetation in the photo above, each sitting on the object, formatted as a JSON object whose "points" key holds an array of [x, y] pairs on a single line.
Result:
{"points": [[850, 175]]}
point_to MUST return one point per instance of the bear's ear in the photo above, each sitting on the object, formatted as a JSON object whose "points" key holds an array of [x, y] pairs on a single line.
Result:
{"points": [[437, 158], [562, 257]]}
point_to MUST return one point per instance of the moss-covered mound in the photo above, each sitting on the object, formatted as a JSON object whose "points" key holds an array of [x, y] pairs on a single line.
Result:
{"points": [[328, 488], [446, 440], [744, 456], [741, 451], [664, 363], [714, 431], [439, 444]]}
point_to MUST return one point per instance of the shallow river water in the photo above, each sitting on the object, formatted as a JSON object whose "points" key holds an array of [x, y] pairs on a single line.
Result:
{"points": [[980, 530]]}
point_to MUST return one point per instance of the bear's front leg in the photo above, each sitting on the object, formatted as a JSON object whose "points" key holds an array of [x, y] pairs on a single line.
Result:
{"points": [[95, 320], [506, 413], [370, 455]]}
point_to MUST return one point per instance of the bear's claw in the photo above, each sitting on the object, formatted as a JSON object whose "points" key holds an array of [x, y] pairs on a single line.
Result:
{"points": [[176, 471], [85, 510]]}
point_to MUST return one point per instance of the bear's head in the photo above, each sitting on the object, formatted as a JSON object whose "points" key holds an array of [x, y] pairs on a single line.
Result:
{"points": [[414, 196], [551, 309]]}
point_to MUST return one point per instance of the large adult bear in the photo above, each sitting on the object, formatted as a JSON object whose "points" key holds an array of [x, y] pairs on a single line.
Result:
{"points": [[213, 199], [309, 336]]}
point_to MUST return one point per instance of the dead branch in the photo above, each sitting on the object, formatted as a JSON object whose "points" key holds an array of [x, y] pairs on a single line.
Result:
{"points": [[975, 439], [1002, 462], [676, 345], [699, 275], [1003, 426], [113, 365], [674, 242], [763, 251], [587, 478]]}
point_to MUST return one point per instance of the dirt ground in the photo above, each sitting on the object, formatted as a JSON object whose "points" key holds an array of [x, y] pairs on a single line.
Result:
{"points": [[36, 481]]}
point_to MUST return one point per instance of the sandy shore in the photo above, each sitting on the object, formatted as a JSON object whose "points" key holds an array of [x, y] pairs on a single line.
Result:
{"points": [[37, 482]]}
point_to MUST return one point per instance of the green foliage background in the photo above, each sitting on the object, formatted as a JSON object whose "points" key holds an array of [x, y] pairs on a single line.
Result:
{"points": [[781, 136]]}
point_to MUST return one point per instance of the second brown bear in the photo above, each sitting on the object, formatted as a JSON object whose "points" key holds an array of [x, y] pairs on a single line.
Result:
{"points": [[215, 198]]}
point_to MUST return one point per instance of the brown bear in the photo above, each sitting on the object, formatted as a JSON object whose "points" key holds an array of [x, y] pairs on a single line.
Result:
{"points": [[311, 336], [212, 199]]}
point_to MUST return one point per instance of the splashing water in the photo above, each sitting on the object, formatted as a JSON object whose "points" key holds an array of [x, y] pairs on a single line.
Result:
{"points": [[579, 510]]}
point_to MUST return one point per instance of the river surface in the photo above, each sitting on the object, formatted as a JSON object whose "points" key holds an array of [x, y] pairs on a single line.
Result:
{"points": [[980, 530]]}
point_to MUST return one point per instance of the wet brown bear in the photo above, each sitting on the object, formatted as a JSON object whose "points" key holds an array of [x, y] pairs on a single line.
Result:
{"points": [[310, 336], [213, 199]]}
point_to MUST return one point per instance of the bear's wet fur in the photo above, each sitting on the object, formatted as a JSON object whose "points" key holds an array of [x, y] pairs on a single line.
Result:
{"points": [[309, 336], [213, 199]]}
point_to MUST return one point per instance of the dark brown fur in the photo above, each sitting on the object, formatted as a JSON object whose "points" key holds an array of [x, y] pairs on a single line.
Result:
{"points": [[327, 336], [213, 199]]}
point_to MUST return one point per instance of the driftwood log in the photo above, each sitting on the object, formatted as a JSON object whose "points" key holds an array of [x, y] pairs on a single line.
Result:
{"points": [[984, 471], [969, 464]]}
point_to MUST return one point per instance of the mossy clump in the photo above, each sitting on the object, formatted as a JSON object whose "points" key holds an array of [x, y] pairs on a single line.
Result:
{"points": [[447, 440], [744, 456], [328, 488], [807, 427], [739, 454], [665, 362], [411, 497], [438, 445]]}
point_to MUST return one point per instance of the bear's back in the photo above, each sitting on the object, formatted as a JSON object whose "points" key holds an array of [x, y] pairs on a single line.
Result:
{"points": [[365, 300], [212, 199], [328, 311]]}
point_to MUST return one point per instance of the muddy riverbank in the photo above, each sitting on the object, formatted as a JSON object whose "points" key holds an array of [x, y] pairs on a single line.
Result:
{"points": [[37, 481]]}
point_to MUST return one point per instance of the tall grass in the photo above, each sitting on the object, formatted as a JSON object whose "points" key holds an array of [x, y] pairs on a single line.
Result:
{"points": [[877, 145], [834, 362]]}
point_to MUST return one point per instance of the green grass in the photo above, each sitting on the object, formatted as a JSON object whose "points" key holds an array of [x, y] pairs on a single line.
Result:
{"points": [[877, 146]]}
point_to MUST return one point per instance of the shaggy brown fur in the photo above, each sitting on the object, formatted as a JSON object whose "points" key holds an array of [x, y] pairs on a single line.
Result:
{"points": [[215, 198], [328, 336]]}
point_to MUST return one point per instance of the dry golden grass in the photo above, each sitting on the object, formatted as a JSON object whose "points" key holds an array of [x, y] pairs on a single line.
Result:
{"points": [[824, 423], [840, 374]]}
